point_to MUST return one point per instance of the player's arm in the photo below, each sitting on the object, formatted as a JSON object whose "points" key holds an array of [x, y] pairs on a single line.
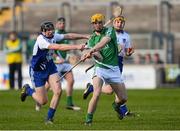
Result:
{"points": [[100, 44], [97, 47], [43, 44], [65, 47], [129, 50], [73, 36], [104, 40]]}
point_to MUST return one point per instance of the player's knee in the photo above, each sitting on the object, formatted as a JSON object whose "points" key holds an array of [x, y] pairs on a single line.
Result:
{"points": [[110, 91], [58, 92], [71, 81], [43, 101]]}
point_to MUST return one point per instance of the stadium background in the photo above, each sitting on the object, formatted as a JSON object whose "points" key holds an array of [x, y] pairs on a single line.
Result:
{"points": [[154, 96], [153, 25]]}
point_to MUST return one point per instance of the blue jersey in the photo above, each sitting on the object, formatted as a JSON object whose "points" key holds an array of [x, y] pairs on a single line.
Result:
{"points": [[41, 54], [42, 65]]}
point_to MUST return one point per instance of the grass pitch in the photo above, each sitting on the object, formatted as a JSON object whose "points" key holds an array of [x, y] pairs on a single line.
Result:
{"points": [[155, 110]]}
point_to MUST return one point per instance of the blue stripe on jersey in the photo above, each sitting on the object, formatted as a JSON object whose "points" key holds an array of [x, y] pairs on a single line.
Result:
{"points": [[120, 63]]}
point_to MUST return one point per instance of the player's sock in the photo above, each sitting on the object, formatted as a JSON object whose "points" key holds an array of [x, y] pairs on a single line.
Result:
{"points": [[30, 91], [89, 118], [51, 113], [123, 109], [91, 88], [69, 101], [115, 106]]}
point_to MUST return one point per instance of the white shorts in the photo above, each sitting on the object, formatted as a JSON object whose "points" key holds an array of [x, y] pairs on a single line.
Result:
{"points": [[63, 68], [109, 76]]}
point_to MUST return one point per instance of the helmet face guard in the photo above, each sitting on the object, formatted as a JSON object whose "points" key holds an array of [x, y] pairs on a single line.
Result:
{"points": [[45, 26]]}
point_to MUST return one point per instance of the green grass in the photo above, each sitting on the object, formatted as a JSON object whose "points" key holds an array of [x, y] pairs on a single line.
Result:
{"points": [[156, 110]]}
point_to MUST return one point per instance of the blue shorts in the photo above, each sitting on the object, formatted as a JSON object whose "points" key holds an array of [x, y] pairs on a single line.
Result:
{"points": [[39, 78], [120, 63]]}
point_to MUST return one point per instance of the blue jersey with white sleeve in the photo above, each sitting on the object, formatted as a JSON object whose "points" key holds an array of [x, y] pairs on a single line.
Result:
{"points": [[42, 65], [41, 54], [124, 41]]}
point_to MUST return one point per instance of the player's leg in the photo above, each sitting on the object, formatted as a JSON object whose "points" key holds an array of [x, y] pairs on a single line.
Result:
{"points": [[37, 105], [11, 75], [69, 91], [97, 83], [39, 94], [106, 89], [119, 104], [57, 91], [69, 88], [19, 70]]}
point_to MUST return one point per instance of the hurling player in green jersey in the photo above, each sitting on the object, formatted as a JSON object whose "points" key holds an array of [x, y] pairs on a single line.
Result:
{"points": [[63, 65], [103, 41]]}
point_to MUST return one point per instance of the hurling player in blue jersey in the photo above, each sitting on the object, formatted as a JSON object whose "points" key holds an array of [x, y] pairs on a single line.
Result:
{"points": [[124, 49], [42, 68], [63, 65]]}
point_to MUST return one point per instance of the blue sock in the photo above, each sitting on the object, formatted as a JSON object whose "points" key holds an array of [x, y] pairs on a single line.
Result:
{"points": [[123, 109], [91, 88], [51, 112], [30, 91]]}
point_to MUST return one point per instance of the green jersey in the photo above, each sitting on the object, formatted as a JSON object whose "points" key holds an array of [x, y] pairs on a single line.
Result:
{"points": [[110, 51], [63, 54]]}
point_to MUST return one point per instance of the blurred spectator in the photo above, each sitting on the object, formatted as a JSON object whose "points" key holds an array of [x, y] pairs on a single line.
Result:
{"points": [[159, 65], [147, 59], [13, 50], [29, 47], [138, 59], [178, 80], [156, 59], [178, 77]]}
